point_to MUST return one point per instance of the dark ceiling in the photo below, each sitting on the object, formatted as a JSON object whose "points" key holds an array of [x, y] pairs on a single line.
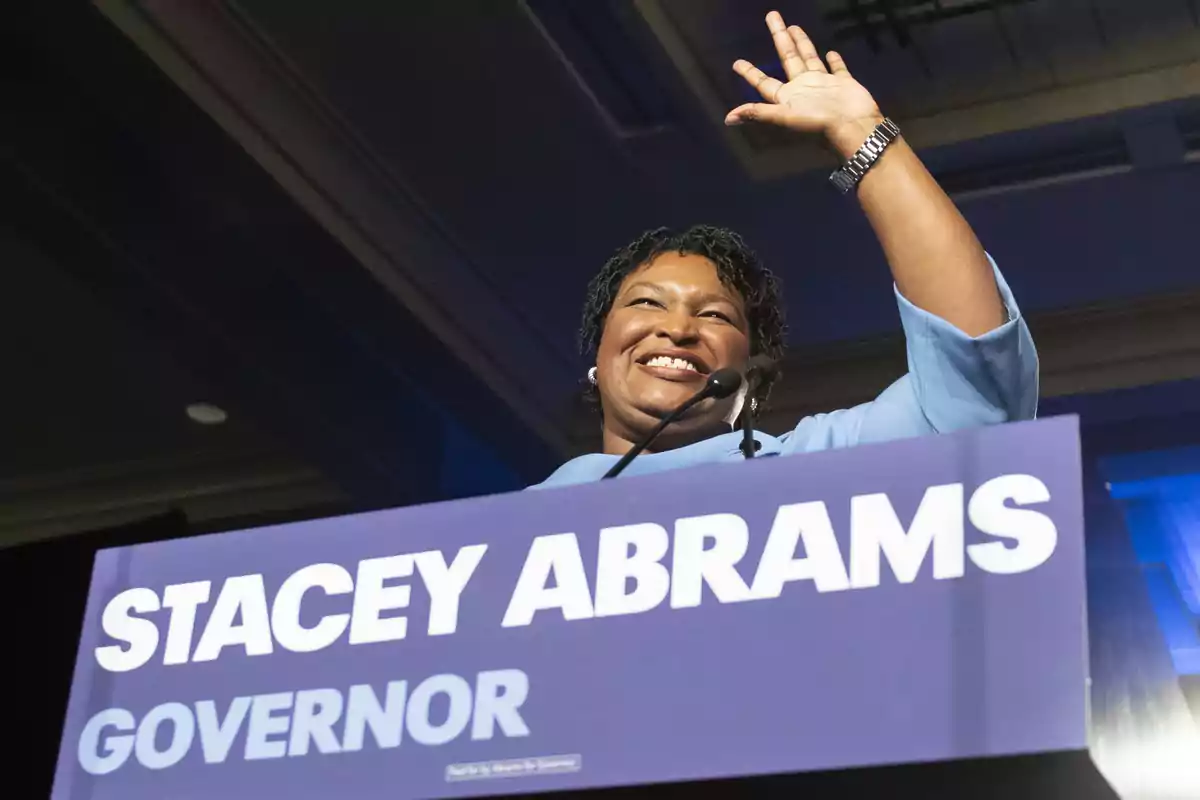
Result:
{"points": [[88, 368], [919, 57], [94, 425], [483, 123], [151, 264], [365, 228], [503, 137]]}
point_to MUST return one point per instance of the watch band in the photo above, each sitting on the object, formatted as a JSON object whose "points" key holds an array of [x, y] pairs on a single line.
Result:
{"points": [[847, 176]]}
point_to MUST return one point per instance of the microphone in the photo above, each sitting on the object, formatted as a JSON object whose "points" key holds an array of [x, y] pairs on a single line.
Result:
{"points": [[721, 383], [761, 368]]}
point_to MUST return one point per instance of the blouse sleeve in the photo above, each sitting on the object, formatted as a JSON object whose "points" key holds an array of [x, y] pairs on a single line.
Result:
{"points": [[954, 381]]}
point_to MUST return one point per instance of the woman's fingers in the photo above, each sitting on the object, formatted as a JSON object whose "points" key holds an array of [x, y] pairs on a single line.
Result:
{"points": [[760, 112], [837, 64], [807, 49], [767, 86], [785, 46]]}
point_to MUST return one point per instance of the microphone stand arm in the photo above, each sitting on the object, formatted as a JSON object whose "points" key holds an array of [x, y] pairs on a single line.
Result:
{"points": [[749, 445], [721, 384], [636, 450]]}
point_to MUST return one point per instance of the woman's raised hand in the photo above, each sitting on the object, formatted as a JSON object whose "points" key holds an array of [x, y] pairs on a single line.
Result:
{"points": [[815, 99]]}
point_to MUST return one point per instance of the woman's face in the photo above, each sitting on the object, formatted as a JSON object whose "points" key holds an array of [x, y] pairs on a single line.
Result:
{"points": [[672, 323]]}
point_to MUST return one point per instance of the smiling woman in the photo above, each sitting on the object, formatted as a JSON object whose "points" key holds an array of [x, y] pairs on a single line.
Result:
{"points": [[671, 308], [716, 306]]}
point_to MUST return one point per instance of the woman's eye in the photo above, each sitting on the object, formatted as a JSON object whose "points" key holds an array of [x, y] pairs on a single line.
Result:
{"points": [[718, 315], [644, 301]]}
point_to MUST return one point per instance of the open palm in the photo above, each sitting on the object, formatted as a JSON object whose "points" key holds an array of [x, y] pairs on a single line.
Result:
{"points": [[815, 98]]}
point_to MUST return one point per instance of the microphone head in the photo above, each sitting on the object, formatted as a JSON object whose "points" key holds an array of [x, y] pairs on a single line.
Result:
{"points": [[762, 367], [723, 382]]}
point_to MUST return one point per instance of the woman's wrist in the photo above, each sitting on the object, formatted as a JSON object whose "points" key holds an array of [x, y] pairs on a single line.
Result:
{"points": [[848, 136]]}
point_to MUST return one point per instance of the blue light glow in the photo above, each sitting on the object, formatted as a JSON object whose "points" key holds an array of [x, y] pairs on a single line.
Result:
{"points": [[1162, 514]]}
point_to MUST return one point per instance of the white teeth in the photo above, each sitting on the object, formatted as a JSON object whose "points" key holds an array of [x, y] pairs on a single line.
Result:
{"points": [[671, 363]]}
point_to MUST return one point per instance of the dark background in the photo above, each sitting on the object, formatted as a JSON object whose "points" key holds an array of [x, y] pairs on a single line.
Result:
{"points": [[364, 231]]}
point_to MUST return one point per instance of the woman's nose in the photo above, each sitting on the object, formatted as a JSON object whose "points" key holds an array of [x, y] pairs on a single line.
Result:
{"points": [[678, 327]]}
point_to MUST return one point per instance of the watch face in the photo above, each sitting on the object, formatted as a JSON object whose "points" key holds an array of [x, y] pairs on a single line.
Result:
{"points": [[842, 180]]}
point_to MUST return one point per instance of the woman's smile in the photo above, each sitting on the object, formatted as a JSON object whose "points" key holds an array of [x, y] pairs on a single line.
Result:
{"points": [[674, 365]]}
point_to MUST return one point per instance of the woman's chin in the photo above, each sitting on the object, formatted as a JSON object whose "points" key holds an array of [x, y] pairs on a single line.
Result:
{"points": [[662, 404], [698, 418]]}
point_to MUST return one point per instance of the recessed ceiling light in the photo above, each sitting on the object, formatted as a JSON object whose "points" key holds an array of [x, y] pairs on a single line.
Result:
{"points": [[206, 414]]}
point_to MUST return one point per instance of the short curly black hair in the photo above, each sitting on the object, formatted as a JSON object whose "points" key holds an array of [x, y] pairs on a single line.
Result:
{"points": [[737, 266]]}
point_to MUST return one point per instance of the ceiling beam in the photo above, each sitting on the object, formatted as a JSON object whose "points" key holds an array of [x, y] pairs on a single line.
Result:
{"points": [[208, 492]]}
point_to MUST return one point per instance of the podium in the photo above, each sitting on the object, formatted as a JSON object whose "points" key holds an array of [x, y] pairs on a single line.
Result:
{"points": [[909, 614]]}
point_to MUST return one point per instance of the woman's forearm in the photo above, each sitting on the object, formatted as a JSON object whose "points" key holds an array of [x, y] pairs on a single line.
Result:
{"points": [[936, 260]]}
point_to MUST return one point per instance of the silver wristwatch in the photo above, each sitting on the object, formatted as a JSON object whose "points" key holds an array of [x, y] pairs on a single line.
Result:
{"points": [[847, 176]]}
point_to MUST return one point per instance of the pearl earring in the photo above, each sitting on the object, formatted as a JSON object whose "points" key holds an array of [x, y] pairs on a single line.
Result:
{"points": [[591, 376], [753, 405]]}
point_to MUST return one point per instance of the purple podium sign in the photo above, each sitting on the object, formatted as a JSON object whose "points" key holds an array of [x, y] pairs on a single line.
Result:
{"points": [[897, 603]]}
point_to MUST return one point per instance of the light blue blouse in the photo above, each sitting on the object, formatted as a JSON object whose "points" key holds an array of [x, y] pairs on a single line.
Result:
{"points": [[954, 381]]}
